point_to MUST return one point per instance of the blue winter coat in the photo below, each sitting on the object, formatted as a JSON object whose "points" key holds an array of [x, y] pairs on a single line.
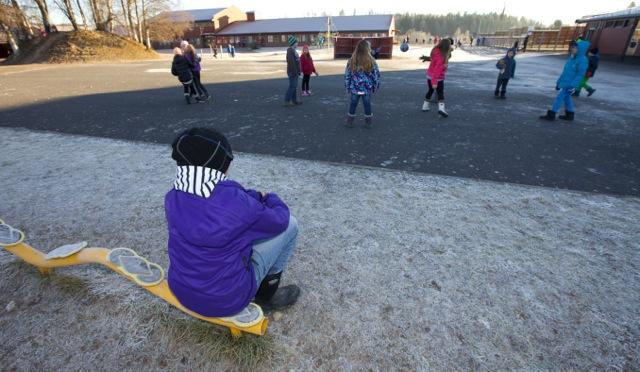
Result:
{"points": [[509, 66], [575, 68]]}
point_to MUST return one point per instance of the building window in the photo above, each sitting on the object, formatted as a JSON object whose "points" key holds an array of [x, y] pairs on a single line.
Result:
{"points": [[619, 24], [270, 38], [250, 38], [626, 23], [283, 38]]}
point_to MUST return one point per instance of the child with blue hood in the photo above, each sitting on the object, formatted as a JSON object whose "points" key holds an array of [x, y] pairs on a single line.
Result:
{"points": [[574, 70], [227, 245], [507, 67]]}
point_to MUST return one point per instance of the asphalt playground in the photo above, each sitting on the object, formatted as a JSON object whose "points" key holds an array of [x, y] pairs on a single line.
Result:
{"points": [[483, 138]]}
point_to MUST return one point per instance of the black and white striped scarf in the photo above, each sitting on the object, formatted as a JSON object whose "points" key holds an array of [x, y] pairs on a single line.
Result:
{"points": [[197, 180]]}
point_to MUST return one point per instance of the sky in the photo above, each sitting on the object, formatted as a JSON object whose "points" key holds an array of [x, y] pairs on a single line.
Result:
{"points": [[545, 11]]}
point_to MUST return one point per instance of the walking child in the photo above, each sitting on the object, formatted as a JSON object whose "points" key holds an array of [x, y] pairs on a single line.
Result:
{"points": [[227, 245], [361, 79], [572, 74], [436, 71], [194, 59], [308, 68], [594, 60], [507, 67], [183, 69], [293, 73]]}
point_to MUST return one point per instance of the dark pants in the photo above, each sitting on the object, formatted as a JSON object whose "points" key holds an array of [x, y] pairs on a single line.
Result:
{"points": [[366, 101], [292, 95], [439, 90], [501, 87], [196, 82], [189, 88], [305, 82]]}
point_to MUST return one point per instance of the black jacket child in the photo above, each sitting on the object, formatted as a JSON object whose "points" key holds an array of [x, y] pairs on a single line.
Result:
{"points": [[181, 67], [507, 66]]}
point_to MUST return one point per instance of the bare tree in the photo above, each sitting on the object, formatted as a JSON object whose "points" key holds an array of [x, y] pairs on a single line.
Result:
{"points": [[102, 11], [84, 18], [23, 18], [138, 21], [66, 7], [9, 19], [44, 13], [130, 19]]}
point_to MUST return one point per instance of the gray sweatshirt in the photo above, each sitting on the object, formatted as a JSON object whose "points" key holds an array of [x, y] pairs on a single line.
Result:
{"points": [[293, 62]]}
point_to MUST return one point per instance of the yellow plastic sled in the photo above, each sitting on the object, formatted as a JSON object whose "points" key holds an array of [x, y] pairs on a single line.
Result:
{"points": [[129, 264]]}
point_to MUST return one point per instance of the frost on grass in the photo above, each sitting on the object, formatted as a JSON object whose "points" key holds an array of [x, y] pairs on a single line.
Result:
{"points": [[398, 271]]}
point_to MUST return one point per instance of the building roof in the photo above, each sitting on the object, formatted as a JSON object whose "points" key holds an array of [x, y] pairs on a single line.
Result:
{"points": [[627, 13], [194, 15], [309, 24]]}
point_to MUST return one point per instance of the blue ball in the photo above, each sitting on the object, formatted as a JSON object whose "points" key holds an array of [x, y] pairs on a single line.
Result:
{"points": [[404, 47]]}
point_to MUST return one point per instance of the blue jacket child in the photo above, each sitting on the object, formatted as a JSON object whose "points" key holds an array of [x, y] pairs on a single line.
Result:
{"points": [[507, 67], [574, 70]]}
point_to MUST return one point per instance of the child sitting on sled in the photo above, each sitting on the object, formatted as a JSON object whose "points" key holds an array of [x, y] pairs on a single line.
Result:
{"points": [[228, 245]]}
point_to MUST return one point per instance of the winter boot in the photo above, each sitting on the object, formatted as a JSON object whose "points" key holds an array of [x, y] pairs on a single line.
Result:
{"points": [[441, 111], [568, 116], [550, 116], [576, 93], [187, 97], [304, 93], [368, 120], [309, 92], [270, 297], [349, 121], [590, 92], [425, 106], [496, 94], [503, 95]]}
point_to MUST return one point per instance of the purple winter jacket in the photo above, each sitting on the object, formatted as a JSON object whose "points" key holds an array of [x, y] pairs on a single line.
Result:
{"points": [[194, 61], [211, 242]]}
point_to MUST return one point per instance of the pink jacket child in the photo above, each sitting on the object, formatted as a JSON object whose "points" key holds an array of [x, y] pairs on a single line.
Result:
{"points": [[307, 67], [437, 68], [435, 74]]}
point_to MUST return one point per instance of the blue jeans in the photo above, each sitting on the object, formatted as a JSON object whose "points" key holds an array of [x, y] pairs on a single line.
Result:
{"points": [[291, 95], [366, 101], [564, 96], [270, 256]]}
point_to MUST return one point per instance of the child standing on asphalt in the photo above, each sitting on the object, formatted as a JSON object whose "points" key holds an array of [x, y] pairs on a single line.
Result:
{"points": [[306, 63], [574, 70], [227, 245], [183, 69], [435, 74], [362, 79], [507, 67], [594, 60], [293, 73], [194, 59]]}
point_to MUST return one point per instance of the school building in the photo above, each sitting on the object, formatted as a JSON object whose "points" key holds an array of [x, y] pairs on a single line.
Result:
{"points": [[615, 34], [222, 26], [274, 32]]}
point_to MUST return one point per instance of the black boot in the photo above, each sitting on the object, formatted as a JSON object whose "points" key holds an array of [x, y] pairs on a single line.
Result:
{"points": [[187, 98], [576, 93], [270, 297], [568, 116], [590, 92], [503, 95], [550, 116]]}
